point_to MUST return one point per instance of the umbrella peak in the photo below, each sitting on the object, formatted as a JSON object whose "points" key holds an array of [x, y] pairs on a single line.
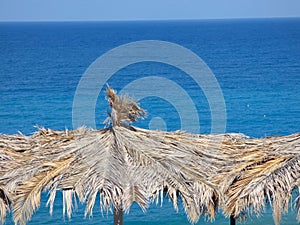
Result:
{"points": [[123, 109]]}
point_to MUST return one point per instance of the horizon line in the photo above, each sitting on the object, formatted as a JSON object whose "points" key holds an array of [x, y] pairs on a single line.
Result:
{"points": [[151, 20]]}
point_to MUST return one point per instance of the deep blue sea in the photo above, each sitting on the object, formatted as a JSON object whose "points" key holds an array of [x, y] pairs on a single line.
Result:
{"points": [[255, 62]]}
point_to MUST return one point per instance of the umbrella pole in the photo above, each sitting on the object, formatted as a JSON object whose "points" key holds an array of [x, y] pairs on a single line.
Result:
{"points": [[118, 216], [232, 220]]}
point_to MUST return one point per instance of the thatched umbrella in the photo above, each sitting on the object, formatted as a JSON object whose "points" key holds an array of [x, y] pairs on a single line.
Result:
{"points": [[259, 171], [121, 163]]}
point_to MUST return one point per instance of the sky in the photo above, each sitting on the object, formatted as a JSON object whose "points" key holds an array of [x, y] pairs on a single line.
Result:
{"points": [[103, 10]]}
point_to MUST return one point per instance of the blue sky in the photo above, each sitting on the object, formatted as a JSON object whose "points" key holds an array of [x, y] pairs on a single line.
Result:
{"points": [[82, 10]]}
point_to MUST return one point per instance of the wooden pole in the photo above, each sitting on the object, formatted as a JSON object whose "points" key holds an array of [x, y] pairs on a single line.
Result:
{"points": [[118, 217], [232, 220]]}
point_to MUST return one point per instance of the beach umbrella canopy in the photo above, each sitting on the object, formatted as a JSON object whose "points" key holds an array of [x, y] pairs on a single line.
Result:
{"points": [[120, 163], [261, 171]]}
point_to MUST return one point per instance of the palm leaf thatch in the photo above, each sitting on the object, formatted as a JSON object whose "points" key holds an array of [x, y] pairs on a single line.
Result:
{"points": [[10, 153], [122, 164], [265, 169]]}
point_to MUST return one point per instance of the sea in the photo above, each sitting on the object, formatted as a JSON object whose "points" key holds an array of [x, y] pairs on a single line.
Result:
{"points": [[201, 76]]}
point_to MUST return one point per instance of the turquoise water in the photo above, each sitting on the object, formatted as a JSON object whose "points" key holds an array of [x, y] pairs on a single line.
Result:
{"points": [[256, 63]]}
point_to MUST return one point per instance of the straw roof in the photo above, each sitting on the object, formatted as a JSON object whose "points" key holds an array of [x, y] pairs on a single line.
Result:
{"points": [[264, 170], [124, 164]]}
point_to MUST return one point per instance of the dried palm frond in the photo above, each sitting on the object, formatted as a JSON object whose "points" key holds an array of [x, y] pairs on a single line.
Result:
{"points": [[4, 203], [123, 109], [11, 147]]}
